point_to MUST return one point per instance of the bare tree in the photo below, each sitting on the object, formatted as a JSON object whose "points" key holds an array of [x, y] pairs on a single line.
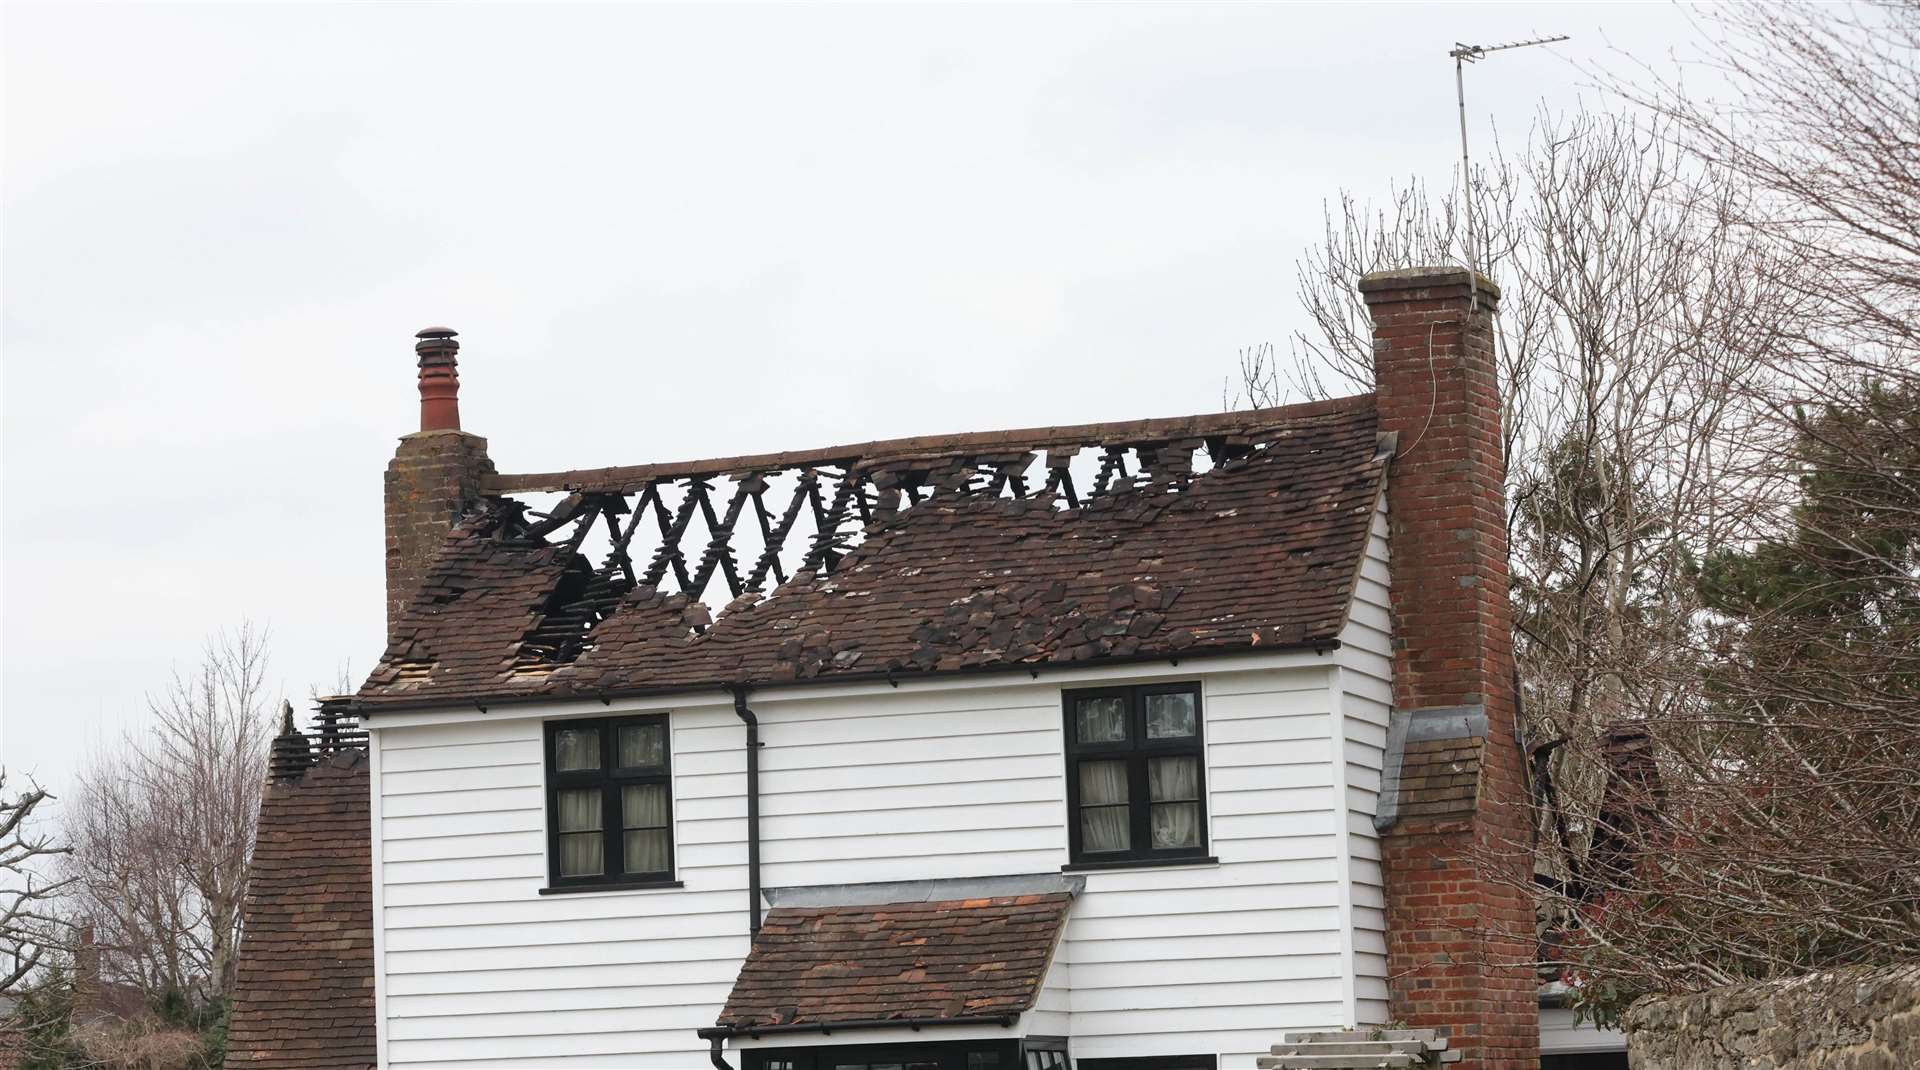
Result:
{"points": [[162, 826], [30, 923], [1814, 108], [1764, 824], [1767, 827], [1708, 341], [1632, 356], [1712, 466]]}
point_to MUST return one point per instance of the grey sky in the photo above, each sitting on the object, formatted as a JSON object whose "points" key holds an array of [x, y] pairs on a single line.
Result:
{"points": [[663, 232]]}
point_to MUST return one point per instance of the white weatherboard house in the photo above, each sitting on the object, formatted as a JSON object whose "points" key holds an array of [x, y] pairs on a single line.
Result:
{"points": [[1134, 745]]}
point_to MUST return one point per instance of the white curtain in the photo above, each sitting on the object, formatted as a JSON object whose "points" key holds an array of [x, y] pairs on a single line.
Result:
{"points": [[1104, 824], [644, 806], [577, 748], [646, 850], [642, 746], [1170, 716], [582, 850], [1101, 720], [580, 810], [1173, 787], [644, 815]]}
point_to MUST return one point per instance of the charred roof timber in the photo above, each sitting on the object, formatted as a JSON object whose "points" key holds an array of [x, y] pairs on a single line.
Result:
{"points": [[1169, 537], [844, 490], [336, 732]]}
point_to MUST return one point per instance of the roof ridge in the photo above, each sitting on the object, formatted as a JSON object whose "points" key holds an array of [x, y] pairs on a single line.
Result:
{"points": [[913, 568], [628, 477]]}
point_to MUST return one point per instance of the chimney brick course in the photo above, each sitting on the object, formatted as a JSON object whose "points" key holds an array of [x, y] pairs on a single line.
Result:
{"points": [[1460, 927], [436, 476], [434, 479]]}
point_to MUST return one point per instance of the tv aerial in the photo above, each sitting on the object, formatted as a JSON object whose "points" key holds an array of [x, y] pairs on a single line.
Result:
{"points": [[1464, 54]]}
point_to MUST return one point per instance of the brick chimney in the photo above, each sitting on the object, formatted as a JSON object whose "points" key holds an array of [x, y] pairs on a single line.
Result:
{"points": [[1455, 844], [436, 475]]}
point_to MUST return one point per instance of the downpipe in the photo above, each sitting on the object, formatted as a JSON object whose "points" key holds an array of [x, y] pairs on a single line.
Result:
{"points": [[746, 716], [717, 1038]]}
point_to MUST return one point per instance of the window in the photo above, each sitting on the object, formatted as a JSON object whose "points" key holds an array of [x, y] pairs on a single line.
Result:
{"points": [[1136, 774], [1046, 1053], [609, 802]]}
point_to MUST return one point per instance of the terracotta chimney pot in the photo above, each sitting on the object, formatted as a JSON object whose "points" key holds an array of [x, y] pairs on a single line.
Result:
{"points": [[439, 379]]}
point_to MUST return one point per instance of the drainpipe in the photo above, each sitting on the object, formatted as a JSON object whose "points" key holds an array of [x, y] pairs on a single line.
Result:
{"points": [[714, 1053], [753, 800]]}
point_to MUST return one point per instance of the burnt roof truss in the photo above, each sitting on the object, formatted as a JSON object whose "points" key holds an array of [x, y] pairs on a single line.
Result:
{"points": [[692, 525]]}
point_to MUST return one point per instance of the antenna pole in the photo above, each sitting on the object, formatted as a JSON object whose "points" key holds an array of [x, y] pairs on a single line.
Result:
{"points": [[1466, 163], [1462, 55]]}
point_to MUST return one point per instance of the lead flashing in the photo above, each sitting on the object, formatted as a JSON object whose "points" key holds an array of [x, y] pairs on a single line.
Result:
{"points": [[926, 891], [1420, 726]]}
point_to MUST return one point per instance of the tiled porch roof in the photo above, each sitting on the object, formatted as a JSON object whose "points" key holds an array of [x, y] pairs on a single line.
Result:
{"points": [[954, 960]]}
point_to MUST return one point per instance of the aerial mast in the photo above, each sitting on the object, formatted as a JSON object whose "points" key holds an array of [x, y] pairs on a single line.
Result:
{"points": [[1462, 55]]}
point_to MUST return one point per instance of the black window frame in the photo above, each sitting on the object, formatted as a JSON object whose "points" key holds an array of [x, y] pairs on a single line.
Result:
{"points": [[1137, 750], [610, 779]]}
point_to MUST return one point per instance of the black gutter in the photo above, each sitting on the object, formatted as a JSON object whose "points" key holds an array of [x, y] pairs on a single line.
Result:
{"points": [[718, 1033], [365, 708], [753, 801]]}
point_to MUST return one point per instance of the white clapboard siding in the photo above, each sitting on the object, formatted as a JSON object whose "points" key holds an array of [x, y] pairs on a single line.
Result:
{"points": [[1052, 1014], [925, 781], [1366, 664], [1562, 1033]]}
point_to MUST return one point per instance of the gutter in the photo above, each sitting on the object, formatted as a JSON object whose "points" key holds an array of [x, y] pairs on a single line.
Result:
{"points": [[719, 1033], [746, 716], [484, 702]]}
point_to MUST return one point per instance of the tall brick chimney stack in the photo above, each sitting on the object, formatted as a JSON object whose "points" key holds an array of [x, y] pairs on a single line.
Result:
{"points": [[1460, 928], [436, 475]]}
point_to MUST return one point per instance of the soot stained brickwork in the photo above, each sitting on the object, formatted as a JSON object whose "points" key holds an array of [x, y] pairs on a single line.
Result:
{"points": [[434, 479], [960, 959]]}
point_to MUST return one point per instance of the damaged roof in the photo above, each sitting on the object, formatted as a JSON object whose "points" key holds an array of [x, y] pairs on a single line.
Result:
{"points": [[956, 960], [931, 555]]}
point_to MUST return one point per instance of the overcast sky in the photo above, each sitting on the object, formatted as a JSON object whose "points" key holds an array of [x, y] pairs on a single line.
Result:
{"points": [[662, 232]]}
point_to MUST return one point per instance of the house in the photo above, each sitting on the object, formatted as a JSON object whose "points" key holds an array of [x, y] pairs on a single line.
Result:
{"points": [[1134, 745]]}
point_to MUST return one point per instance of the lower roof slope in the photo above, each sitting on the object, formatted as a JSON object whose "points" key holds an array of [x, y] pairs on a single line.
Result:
{"points": [[303, 996], [1259, 552]]}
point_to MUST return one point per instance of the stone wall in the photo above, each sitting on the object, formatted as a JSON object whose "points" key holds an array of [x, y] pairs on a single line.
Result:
{"points": [[1845, 1020]]}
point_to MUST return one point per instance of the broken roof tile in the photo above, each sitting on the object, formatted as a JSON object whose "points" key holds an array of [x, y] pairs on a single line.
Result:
{"points": [[1258, 552]]}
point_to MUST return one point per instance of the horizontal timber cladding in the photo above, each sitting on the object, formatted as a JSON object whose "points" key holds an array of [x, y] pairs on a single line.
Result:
{"points": [[1366, 696], [863, 785]]}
